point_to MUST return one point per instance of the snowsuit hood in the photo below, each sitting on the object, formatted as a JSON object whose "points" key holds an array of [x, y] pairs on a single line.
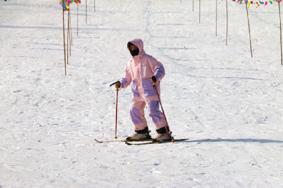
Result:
{"points": [[139, 44]]}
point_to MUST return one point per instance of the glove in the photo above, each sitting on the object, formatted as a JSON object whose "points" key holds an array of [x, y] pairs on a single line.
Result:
{"points": [[154, 80], [118, 84]]}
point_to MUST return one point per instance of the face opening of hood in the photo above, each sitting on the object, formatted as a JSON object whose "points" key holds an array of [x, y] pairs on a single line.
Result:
{"points": [[138, 43]]}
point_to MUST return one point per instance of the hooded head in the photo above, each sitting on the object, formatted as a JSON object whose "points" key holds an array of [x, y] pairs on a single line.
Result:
{"points": [[135, 47]]}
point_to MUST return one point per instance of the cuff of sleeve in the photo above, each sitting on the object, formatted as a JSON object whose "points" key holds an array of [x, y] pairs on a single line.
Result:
{"points": [[123, 83], [158, 77]]}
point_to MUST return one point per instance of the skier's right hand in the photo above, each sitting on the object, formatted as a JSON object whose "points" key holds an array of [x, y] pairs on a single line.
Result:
{"points": [[118, 85]]}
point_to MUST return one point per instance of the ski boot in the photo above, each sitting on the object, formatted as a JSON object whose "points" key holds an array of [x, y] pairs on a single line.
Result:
{"points": [[164, 135], [140, 135]]}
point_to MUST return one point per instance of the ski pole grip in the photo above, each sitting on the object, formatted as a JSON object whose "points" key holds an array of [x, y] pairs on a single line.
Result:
{"points": [[113, 83]]}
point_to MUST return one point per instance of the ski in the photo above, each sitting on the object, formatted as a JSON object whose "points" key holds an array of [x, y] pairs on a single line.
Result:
{"points": [[118, 140], [110, 141], [131, 143], [145, 142]]}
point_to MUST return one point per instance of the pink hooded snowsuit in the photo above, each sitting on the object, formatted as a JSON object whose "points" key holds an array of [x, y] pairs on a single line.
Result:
{"points": [[139, 72]]}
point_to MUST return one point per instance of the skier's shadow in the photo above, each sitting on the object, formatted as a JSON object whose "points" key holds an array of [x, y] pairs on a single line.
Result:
{"points": [[237, 140]]}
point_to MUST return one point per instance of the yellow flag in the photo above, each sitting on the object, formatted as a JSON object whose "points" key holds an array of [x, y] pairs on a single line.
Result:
{"points": [[249, 3]]}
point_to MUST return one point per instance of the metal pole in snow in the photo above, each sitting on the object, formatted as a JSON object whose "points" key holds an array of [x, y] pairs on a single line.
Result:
{"points": [[216, 22], [279, 7], [68, 33], [77, 20], [65, 63], [249, 27], [199, 10], [227, 22], [86, 11]]}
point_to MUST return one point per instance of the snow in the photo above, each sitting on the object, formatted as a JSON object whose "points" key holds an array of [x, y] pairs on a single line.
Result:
{"points": [[229, 105]]}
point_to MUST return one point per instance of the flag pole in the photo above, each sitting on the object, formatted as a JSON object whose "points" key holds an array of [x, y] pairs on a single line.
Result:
{"points": [[77, 20], [63, 16], [216, 22], [280, 20], [69, 33], [86, 11], [68, 38], [199, 10], [249, 28], [227, 22]]}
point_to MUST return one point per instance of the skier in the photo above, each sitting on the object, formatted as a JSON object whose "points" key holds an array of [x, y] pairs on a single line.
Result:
{"points": [[145, 73]]}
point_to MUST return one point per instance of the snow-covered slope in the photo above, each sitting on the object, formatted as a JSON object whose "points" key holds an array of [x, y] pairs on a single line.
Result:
{"points": [[229, 105]]}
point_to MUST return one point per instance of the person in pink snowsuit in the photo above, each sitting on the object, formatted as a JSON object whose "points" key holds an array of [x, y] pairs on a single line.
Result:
{"points": [[143, 71]]}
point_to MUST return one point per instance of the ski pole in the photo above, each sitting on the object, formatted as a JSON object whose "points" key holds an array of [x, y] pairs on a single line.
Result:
{"points": [[166, 127], [116, 113]]}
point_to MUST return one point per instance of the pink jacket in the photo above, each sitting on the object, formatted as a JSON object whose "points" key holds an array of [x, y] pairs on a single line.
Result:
{"points": [[139, 71]]}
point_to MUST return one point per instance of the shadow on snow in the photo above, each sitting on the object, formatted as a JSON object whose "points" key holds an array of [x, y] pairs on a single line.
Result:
{"points": [[243, 140]]}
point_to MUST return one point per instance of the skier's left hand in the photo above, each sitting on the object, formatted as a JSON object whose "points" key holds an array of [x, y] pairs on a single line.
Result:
{"points": [[154, 80], [118, 85]]}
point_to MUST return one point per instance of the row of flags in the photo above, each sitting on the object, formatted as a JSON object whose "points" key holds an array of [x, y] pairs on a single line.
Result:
{"points": [[66, 3], [257, 3]]}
